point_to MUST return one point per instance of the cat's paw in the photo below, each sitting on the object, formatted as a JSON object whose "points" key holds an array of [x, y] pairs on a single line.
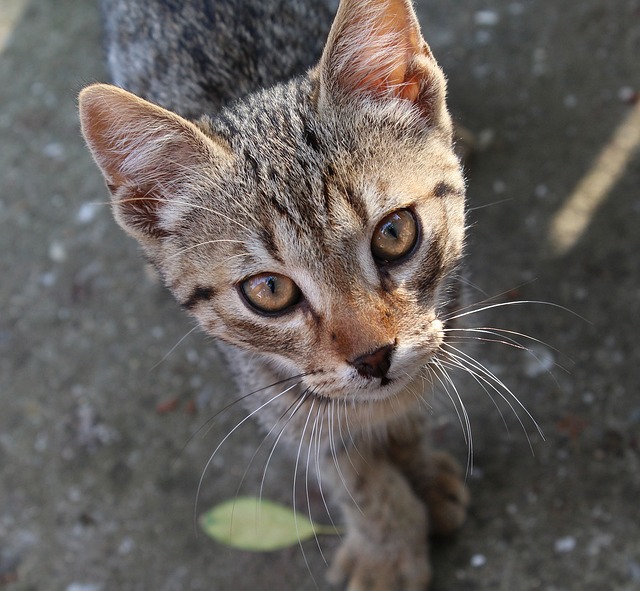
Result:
{"points": [[446, 494], [393, 566]]}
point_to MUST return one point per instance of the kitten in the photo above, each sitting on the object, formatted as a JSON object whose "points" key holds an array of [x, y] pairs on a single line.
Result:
{"points": [[306, 206]]}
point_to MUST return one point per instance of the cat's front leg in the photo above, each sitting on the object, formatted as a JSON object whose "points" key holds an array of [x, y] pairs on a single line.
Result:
{"points": [[385, 547], [435, 476]]}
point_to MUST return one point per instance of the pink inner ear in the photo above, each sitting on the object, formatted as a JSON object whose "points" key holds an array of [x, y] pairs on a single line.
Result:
{"points": [[375, 48], [398, 82]]}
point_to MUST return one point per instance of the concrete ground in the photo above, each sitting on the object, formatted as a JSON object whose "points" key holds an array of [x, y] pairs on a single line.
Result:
{"points": [[96, 490]]}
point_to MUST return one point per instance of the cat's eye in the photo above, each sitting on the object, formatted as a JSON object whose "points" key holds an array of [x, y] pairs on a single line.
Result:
{"points": [[270, 293], [395, 236]]}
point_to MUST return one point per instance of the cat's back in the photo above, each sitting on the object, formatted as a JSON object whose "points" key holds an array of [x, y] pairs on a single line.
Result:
{"points": [[194, 56]]}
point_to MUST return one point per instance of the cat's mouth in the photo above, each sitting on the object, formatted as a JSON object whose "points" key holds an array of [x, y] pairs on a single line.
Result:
{"points": [[357, 389], [368, 403], [385, 388]]}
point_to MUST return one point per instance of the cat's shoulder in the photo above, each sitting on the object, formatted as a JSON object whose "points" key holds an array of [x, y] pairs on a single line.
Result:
{"points": [[195, 56]]}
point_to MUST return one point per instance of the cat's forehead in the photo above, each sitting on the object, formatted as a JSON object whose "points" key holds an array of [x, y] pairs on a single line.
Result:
{"points": [[306, 191]]}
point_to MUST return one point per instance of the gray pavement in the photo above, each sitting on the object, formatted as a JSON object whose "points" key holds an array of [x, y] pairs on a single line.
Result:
{"points": [[96, 490]]}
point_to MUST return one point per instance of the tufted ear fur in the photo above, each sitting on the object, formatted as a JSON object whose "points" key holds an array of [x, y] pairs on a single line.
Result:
{"points": [[151, 158], [375, 49]]}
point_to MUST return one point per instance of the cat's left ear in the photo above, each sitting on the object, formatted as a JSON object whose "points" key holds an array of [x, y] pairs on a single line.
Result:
{"points": [[375, 49], [152, 159]]}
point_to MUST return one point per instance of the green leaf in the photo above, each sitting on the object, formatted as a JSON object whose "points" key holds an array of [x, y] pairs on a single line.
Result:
{"points": [[249, 523]]}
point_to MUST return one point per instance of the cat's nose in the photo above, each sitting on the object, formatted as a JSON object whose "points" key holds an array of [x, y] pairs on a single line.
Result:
{"points": [[375, 364]]}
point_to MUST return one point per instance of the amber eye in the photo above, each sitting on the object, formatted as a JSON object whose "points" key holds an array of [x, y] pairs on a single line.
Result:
{"points": [[270, 292], [395, 236]]}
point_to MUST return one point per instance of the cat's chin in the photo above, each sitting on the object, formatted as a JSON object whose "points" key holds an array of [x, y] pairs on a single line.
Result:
{"points": [[391, 392], [366, 392], [376, 406]]}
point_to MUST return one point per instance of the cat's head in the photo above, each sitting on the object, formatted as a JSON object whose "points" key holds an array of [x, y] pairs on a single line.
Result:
{"points": [[315, 223]]}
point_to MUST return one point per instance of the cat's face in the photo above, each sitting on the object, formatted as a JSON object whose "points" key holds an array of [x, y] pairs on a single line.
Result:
{"points": [[313, 224], [339, 244]]}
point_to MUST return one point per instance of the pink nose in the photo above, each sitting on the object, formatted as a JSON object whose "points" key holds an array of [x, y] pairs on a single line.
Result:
{"points": [[375, 364]]}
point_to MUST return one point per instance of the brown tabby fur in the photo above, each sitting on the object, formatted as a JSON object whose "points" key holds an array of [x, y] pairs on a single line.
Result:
{"points": [[293, 178]]}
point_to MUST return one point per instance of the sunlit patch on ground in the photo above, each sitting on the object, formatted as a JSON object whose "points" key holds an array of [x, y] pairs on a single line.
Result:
{"points": [[570, 222], [10, 11]]}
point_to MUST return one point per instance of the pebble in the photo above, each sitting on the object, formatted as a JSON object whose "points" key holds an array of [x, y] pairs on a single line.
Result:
{"points": [[484, 139], [539, 362], [634, 571], [57, 252], [487, 18], [499, 186], [54, 150], [84, 587], [627, 95], [157, 332], [541, 191], [126, 546], [598, 543], [539, 61], [478, 560], [565, 545], [87, 212], [581, 293], [48, 279]]}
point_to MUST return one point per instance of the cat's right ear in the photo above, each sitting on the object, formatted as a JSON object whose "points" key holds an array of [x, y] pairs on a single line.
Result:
{"points": [[151, 159], [375, 50]]}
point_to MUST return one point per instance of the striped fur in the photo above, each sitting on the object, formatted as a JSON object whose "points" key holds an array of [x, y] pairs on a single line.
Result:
{"points": [[293, 178]]}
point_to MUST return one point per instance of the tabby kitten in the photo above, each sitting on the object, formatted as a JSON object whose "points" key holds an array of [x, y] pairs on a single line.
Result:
{"points": [[311, 219]]}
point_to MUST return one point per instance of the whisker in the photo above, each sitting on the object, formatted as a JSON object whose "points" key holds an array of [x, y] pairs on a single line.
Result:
{"points": [[319, 442], [436, 362], [334, 453], [344, 444], [503, 338], [295, 474], [353, 441], [205, 243], [166, 356], [199, 174], [462, 339], [517, 303], [178, 201], [465, 415], [481, 382], [487, 299], [500, 332], [306, 478], [255, 453], [238, 425], [421, 400], [466, 281], [467, 362], [209, 422], [477, 207], [297, 403]]}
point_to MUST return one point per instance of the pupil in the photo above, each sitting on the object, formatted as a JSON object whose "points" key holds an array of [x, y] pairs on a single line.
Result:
{"points": [[271, 284], [390, 230]]}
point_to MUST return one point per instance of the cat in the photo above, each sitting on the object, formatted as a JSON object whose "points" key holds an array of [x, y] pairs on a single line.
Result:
{"points": [[293, 179]]}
